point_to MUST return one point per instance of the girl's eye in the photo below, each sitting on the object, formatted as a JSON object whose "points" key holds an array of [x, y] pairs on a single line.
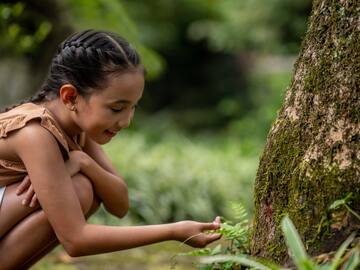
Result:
{"points": [[117, 110], [122, 109]]}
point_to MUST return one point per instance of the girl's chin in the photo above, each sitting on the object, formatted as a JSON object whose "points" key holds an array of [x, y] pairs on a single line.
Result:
{"points": [[101, 139]]}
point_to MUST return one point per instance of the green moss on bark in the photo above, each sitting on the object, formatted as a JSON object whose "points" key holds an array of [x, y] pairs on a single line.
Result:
{"points": [[312, 153]]}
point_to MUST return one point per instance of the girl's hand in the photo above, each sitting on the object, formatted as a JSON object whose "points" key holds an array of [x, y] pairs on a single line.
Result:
{"points": [[75, 162], [73, 166], [26, 187], [194, 233]]}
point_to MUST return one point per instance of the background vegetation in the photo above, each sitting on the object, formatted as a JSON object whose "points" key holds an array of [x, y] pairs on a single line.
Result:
{"points": [[217, 73]]}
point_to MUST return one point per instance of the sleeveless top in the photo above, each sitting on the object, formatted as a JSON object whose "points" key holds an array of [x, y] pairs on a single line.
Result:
{"points": [[17, 118]]}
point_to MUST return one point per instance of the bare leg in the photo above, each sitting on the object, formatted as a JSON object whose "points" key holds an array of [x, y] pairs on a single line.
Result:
{"points": [[54, 242], [31, 236]]}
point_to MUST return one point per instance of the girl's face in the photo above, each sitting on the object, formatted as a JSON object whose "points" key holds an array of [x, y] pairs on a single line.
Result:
{"points": [[107, 111]]}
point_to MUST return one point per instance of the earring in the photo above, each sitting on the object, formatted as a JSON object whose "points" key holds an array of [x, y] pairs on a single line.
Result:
{"points": [[73, 108]]}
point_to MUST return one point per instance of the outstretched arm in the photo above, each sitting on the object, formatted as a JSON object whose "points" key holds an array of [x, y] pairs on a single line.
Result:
{"points": [[41, 155]]}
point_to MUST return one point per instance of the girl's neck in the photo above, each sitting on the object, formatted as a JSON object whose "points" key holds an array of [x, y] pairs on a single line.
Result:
{"points": [[63, 117]]}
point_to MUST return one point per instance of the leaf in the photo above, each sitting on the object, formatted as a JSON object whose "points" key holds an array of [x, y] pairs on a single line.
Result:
{"points": [[241, 259], [353, 261], [337, 204], [216, 250], [340, 252], [295, 245], [341, 202]]}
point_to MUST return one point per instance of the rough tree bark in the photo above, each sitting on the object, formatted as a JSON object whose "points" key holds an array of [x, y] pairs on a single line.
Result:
{"points": [[312, 154]]}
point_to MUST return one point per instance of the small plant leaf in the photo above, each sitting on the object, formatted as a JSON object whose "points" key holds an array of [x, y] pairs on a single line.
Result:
{"points": [[216, 250], [353, 261], [340, 252], [295, 245], [240, 259], [323, 267], [341, 202], [337, 204]]}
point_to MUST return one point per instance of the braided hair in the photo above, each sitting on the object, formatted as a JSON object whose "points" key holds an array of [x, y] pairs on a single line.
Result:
{"points": [[85, 59]]}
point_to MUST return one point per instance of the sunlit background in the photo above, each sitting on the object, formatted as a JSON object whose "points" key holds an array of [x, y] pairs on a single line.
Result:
{"points": [[217, 74]]}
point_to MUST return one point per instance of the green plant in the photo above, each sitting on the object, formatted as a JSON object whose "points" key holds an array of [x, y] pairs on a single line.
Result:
{"points": [[173, 177], [237, 235], [19, 34], [236, 240], [301, 259], [346, 201]]}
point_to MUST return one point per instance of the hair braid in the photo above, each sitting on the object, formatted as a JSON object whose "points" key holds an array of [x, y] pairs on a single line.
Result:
{"points": [[85, 59], [37, 98]]}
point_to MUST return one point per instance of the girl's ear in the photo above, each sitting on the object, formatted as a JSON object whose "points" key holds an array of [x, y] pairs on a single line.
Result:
{"points": [[68, 95]]}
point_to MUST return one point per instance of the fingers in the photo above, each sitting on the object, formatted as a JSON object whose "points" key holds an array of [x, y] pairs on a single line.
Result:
{"points": [[217, 220], [34, 201], [204, 239], [215, 225], [213, 237], [23, 186], [28, 196]]}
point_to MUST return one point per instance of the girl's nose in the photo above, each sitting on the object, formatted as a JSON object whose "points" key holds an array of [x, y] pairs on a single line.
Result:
{"points": [[125, 122]]}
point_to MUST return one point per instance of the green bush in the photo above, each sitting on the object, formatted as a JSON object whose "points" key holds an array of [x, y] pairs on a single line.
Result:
{"points": [[174, 177]]}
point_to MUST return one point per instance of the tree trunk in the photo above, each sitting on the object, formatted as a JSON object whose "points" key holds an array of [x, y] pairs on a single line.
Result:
{"points": [[312, 154]]}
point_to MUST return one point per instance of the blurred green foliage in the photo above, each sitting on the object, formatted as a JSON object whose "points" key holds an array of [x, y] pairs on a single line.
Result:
{"points": [[173, 177], [275, 26], [26, 25], [209, 47], [207, 85], [230, 25], [198, 54], [112, 15], [22, 31], [267, 94]]}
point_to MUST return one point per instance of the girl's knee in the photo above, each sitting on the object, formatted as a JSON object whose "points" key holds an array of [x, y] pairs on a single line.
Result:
{"points": [[84, 191]]}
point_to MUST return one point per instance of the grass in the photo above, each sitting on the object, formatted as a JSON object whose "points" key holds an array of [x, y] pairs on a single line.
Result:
{"points": [[153, 257]]}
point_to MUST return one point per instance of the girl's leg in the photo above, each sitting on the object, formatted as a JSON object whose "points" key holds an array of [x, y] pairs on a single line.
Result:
{"points": [[31, 236], [54, 242]]}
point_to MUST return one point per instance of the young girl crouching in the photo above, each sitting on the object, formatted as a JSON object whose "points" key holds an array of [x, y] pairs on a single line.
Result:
{"points": [[53, 172]]}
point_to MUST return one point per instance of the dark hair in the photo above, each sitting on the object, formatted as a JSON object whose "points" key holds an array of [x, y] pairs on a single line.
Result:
{"points": [[84, 60]]}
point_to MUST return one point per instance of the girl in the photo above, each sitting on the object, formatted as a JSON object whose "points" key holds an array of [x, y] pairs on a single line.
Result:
{"points": [[50, 153]]}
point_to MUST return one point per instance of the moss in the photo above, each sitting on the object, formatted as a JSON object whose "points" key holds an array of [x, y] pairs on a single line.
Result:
{"points": [[286, 181]]}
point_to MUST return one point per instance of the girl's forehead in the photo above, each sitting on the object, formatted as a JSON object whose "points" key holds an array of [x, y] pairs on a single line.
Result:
{"points": [[127, 86]]}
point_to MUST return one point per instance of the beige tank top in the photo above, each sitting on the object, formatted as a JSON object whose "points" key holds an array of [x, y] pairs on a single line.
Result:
{"points": [[17, 118]]}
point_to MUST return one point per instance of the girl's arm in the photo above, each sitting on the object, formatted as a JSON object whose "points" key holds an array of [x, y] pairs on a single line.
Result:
{"points": [[52, 183], [108, 184]]}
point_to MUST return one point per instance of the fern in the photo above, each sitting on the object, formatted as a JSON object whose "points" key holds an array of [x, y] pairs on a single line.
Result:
{"points": [[235, 237]]}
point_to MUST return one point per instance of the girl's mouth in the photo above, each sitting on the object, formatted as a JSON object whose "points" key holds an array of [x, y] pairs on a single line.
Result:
{"points": [[109, 133]]}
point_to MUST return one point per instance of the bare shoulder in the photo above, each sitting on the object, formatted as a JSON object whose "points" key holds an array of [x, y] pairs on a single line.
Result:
{"points": [[33, 136]]}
